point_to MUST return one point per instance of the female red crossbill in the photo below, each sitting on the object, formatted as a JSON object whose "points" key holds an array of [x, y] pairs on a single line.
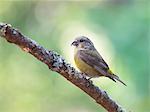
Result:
{"points": [[89, 61]]}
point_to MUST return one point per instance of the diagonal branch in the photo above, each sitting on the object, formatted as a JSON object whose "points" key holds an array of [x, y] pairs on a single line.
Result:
{"points": [[58, 64]]}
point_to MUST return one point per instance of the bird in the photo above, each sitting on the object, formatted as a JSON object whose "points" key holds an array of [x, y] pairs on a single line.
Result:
{"points": [[89, 61]]}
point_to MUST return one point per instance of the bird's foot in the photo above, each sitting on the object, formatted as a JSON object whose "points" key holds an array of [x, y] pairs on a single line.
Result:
{"points": [[90, 80], [88, 77]]}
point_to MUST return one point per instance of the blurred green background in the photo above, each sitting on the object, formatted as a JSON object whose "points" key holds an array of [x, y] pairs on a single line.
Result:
{"points": [[119, 30]]}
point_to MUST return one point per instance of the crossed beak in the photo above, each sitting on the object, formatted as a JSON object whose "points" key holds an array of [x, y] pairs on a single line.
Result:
{"points": [[74, 43]]}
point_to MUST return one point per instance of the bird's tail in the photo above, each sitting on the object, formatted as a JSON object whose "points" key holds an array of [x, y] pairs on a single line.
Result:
{"points": [[115, 77]]}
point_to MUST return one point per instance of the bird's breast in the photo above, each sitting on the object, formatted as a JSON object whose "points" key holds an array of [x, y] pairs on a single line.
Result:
{"points": [[84, 67]]}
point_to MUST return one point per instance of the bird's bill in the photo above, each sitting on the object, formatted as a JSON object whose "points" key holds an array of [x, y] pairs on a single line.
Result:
{"points": [[74, 43]]}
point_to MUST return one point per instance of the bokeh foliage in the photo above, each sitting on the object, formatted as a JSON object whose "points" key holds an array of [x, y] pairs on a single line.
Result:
{"points": [[119, 29]]}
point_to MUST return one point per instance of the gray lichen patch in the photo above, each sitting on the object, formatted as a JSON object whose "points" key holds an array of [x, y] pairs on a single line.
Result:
{"points": [[14, 32], [78, 75], [57, 61], [3, 27]]}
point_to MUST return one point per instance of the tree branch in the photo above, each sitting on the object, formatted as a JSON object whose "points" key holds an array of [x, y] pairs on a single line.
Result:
{"points": [[58, 64]]}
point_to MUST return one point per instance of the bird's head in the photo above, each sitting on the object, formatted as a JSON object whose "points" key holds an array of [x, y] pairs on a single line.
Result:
{"points": [[83, 42]]}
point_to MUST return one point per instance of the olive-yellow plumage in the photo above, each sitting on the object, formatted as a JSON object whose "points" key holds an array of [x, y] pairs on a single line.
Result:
{"points": [[84, 67], [89, 61]]}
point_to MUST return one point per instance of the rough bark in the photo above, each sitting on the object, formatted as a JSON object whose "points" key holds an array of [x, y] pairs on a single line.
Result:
{"points": [[57, 63]]}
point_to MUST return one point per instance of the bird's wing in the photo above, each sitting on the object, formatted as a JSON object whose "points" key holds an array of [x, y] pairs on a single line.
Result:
{"points": [[94, 59]]}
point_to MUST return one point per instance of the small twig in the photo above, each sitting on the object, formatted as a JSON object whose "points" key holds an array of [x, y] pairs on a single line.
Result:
{"points": [[57, 63]]}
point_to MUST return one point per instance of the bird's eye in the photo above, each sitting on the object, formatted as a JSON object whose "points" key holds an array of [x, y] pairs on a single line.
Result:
{"points": [[81, 40]]}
